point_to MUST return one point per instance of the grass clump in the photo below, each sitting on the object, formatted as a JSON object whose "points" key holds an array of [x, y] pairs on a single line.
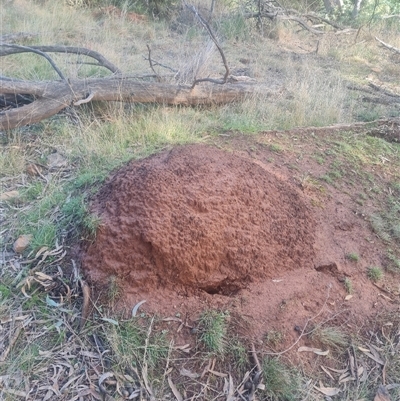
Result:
{"points": [[393, 262], [213, 326], [330, 337], [273, 337], [348, 285], [282, 383], [375, 274], [133, 344], [238, 354], [354, 257]]}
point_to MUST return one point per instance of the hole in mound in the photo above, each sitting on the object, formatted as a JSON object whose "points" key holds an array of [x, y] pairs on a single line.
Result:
{"points": [[197, 218], [227, 289]]}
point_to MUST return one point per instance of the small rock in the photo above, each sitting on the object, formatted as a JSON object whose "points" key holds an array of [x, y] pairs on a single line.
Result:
{"points": [[6, 196], [22, 243]]}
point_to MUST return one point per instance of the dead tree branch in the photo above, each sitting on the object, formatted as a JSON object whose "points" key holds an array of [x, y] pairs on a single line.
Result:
{"points": [[390, 47], [82, 51], [214, 39], [28, 102], [151, 64], [275, 12], [53, 97], [21, 49]]}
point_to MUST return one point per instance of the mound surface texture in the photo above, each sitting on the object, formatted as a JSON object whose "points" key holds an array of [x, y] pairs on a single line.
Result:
{"points": [[197, 218]]}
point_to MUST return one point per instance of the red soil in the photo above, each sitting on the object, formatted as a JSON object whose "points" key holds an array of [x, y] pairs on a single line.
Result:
{"points": [[198, 218], [197, 227]]}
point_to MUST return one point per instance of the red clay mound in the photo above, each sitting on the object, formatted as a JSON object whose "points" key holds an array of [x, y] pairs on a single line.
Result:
{"points": [[197, 218]]}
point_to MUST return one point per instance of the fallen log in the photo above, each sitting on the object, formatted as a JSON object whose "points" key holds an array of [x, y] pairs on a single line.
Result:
{"points": [[51, 97], [54, 96]]}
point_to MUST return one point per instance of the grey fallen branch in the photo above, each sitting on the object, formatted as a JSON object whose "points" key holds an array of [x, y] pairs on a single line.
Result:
{"points": [[54, 96], [390, 47], [278, 13], [7, 49]]}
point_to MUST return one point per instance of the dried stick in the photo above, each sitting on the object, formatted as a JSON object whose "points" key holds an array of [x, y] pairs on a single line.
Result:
{"points": [[82, 51], [12, 341], [390, 47], [214, 39], [151, 64], [37, 51], [86, 303]]}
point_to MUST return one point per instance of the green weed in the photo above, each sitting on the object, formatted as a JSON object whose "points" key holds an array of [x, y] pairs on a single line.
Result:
{"points": [[330, 337], [276, 148], [282, 382], [238, 353], [213, 326], [375, 274], [354, 257], [273, 337], [393, 262], [113, 290], [132, 344], [348, 285]]}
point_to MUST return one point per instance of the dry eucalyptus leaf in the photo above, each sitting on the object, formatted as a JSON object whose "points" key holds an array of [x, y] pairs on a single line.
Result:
{"points": [[219, 374], [373, 357], [337, 370], [136, 307], [327, 372], [10, 195], [231, 390], [315, 350], [188, 373], [177, 394], [330, 391]]}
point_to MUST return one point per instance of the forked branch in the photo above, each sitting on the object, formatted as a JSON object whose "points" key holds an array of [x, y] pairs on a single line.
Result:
{"points": [[28, 102], [6, 50], [221, 52], [20, 49]]}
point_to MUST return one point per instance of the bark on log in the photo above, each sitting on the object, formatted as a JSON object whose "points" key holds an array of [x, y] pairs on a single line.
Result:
{"points": [[54, 96]]}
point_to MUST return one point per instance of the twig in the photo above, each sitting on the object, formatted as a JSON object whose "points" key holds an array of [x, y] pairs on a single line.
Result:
{"points": [[304, 328], [86, 100], [326, 21], [214, 39], [11, 343], [255, 357], [41, 53], [356, 365], [86, 303], [155, 63], [82, 51], [144, 369], [151, 64], [390, 47]]}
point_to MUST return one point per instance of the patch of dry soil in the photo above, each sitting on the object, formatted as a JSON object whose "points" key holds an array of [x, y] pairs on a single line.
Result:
{"points": [[197, 227]]}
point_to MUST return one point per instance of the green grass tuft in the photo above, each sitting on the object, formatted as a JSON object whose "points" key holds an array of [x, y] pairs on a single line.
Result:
{"points": [[282, 383], [353, 257], [348, 285], [213, 326], [330, 337], [375, 274]]}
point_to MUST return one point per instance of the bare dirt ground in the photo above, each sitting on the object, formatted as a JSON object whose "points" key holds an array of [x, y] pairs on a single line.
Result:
{"points": [[246, 226]]}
